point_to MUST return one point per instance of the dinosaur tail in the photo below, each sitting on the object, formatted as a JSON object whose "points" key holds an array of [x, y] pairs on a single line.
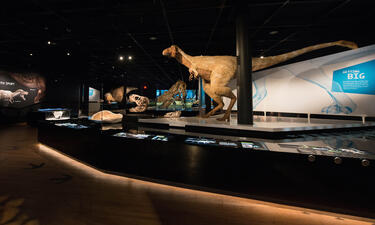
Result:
{"points": [[273, 60]]}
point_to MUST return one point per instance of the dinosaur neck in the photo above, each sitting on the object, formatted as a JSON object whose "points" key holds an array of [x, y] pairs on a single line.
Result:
{"points": [[273, 60], [184, 58]]}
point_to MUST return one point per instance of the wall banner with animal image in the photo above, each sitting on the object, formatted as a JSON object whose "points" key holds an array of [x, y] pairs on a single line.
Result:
{"points": [[18, 90], [337, 84]]}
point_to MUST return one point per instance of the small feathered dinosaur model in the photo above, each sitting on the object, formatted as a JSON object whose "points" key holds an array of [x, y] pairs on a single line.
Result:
{"points": [[217, 71]]}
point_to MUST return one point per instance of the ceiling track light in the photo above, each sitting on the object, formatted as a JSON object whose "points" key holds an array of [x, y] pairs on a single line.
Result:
{"points": [[273, 32]]}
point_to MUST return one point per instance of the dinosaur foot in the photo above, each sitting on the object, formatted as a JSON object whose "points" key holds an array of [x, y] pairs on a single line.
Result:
{"points": [[205, 116], [224, 118]]}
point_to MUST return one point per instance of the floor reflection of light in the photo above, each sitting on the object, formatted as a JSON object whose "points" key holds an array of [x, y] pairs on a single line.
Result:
{"points": [[193, 156], [264, 211]]}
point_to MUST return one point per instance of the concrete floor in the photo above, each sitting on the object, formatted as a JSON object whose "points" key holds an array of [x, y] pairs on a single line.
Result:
{"points": [[41, 186]]}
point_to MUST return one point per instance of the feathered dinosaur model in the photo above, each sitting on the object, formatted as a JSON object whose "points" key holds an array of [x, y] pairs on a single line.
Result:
{"points": [[217, 71]]}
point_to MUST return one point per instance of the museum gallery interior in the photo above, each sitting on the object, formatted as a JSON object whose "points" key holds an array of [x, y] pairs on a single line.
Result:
{"points": [[187, 112]]}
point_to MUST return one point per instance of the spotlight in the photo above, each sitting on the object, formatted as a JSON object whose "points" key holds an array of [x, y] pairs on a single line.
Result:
{"points": [[121, 58], [68, 53], [274, 32], [31, 54], [261, 57], [130, 57], [48, 42]]}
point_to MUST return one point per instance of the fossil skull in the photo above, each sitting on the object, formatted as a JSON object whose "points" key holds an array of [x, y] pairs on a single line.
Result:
{"points": [[141, 101]]}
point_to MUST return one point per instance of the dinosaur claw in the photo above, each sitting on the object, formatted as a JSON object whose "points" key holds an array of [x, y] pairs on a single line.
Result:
{"points": [[204, 116], [224, 118]]}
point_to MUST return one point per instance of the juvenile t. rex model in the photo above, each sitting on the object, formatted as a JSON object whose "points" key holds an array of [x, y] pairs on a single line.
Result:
{"points": [[217, 71]]}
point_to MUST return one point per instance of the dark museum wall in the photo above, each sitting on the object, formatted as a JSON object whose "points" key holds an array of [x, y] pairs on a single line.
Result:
{"points": [[73, 42], [20, 93], [58, 75]]}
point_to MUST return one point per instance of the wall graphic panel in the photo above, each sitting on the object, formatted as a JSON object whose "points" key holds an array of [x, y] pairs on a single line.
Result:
{"points": [[20, 90], [342, 83], [358, 79]]}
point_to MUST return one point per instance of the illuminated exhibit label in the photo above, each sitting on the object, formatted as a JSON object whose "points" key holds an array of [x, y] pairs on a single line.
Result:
{"points": [[357, 79], [91, 92]]}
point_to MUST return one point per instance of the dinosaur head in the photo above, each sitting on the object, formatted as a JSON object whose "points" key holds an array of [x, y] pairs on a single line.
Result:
{"points": [[171, 51]]}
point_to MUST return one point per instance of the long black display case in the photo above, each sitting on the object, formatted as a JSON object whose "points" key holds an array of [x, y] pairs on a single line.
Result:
{"points": [[241, 167]]}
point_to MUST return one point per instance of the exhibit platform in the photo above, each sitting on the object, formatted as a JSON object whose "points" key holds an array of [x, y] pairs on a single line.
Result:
{"points": [[264, 126], [326, 171]]}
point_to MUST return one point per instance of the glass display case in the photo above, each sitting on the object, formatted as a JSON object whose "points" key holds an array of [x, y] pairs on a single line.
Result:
{"points": [[55, 113]]}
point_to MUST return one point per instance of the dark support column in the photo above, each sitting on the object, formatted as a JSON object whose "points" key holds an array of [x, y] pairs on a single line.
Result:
{"points": [[207, 100], [84, 101], [244, 78]]}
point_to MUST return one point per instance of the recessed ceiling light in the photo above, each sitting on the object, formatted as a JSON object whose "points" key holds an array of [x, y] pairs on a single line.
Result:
{"points": [[48, 42], [153, 38], [121, 58], [274, 32], [31, 54], [68, 53], [130, 57]]}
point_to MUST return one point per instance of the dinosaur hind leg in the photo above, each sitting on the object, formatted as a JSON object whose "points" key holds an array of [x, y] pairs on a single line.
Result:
{"points": [[207, 88], [226, 92], [220, 105]]}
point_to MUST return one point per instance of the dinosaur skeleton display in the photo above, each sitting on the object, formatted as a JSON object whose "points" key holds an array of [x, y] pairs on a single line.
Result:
{"points": [[175, 114], [217, 71], [141, 101], [168, 97], [8, 96], [117, 94]]}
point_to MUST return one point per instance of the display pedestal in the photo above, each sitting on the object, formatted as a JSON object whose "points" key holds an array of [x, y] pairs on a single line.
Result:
{"points": [[224, 167], [264, 126]]}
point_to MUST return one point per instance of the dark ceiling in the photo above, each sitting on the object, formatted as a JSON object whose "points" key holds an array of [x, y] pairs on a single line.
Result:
{"points": [[96, 32]]}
